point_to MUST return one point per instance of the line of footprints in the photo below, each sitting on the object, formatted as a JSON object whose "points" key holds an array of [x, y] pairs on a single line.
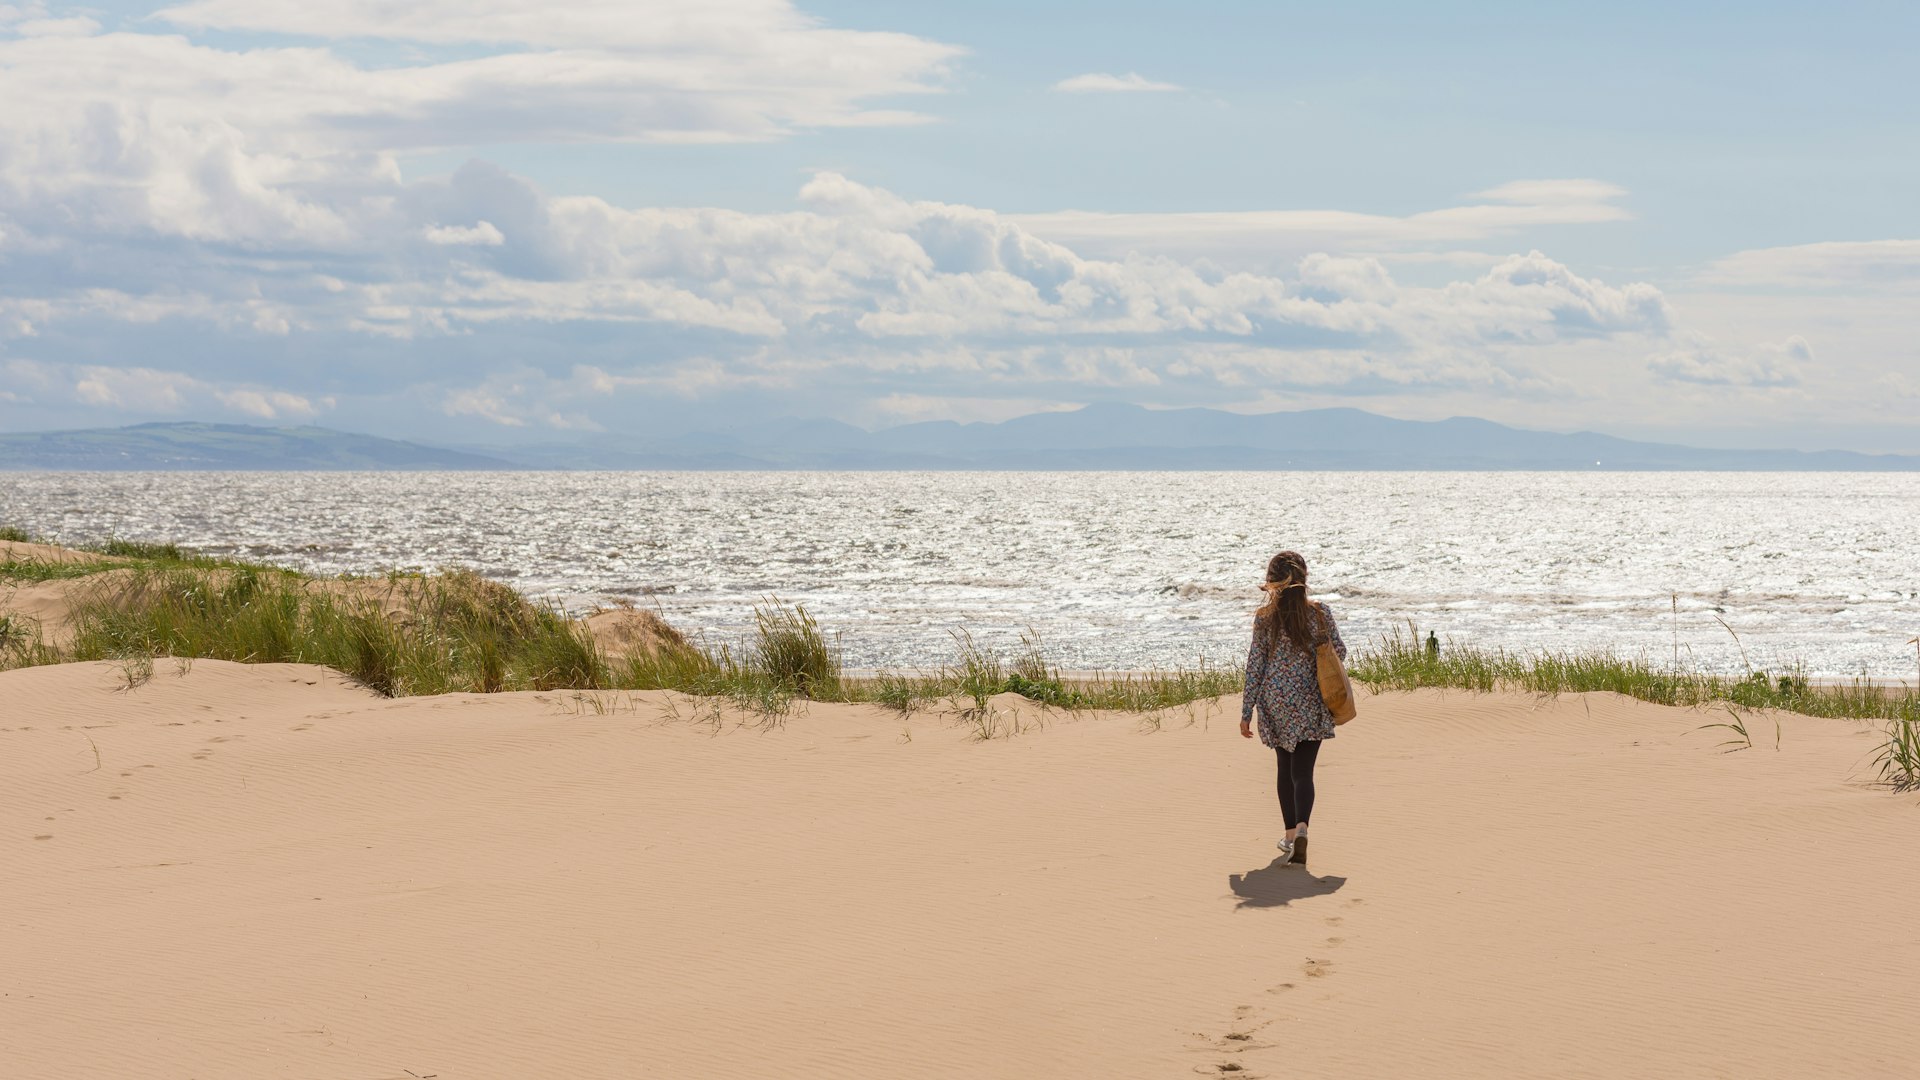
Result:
{"points": [[120, 791], [1245, 1031]]}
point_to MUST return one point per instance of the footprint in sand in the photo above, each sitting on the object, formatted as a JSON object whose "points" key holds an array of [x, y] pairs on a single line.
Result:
{"points": [[44, 836], [1316, 969], [1336, 941], [1281, 989], [1334, 920]]}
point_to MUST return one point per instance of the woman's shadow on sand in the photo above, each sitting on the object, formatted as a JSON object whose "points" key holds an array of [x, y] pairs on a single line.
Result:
{"points": [[1277, 885]]}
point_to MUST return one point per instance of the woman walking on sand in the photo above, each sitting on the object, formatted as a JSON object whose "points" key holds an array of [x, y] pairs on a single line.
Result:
{"points": [[1282, 683]]}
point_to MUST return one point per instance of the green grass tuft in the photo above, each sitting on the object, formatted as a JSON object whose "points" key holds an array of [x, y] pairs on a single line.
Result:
{"points": [[430, 635], [134, 549], [791, 651], [29, 571], [1400, 661], [1898, 755]]}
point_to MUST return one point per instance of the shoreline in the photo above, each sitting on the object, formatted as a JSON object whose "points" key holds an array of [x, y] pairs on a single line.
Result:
{"points": [[413, 634], [896, 563], [1096, 675]]}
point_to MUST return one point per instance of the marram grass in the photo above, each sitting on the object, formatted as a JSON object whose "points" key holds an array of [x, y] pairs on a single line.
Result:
{"points": [[1401, 661], [427, 635], [408, 634]]}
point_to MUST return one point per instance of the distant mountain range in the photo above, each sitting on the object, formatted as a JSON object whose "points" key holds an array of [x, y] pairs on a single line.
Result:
{"points": [[1131, 437], [147, 447], [1093, 438]]}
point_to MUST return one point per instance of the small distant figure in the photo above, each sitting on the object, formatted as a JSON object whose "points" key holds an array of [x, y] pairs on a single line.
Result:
{"points": [[1433, 646]]}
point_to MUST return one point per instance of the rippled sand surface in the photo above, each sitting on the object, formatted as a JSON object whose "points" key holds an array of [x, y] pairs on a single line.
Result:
{"points": [[1115, 570], [232, 872]]}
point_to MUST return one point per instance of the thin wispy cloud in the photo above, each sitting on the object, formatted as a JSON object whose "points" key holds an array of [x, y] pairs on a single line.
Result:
{"points": [[1858, 264], [1100, 83], [1266, 234]]}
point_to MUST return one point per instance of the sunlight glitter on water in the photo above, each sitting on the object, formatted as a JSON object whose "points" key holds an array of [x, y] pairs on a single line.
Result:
{"points": [[1114, 570]]}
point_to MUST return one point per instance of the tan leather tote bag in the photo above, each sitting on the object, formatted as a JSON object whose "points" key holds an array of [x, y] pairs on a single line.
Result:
{"points": [[1335, 688]]}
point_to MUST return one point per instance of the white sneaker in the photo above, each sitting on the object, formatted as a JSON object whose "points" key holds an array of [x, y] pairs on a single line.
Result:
{"points": [[1286, 848]]}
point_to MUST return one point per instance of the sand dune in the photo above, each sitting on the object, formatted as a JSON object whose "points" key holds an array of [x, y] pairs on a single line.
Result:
{"points": [[240, 872], [620, 630], [28, 551]]}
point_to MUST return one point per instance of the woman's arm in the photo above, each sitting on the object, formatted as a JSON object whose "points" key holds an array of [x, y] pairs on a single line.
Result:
{"points": [[1256, 667]]}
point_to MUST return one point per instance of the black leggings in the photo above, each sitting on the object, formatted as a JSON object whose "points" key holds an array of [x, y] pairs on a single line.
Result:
{"points": [[1296, 780]]}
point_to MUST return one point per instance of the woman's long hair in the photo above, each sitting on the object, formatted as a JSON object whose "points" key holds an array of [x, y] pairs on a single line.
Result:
{"points": [[1287, 610]]}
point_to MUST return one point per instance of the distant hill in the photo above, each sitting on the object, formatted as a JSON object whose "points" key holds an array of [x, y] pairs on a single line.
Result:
{"points": [[1093, 438], [224, 446], [1131, 437]]}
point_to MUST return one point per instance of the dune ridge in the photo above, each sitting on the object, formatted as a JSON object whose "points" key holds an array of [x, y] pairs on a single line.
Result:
{"points": [[238, 871], [49, 606]]}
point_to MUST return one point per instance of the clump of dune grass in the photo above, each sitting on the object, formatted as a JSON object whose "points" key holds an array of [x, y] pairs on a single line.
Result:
{"points": [[14, 632], [1898, 755], [672, 665], [559, 653], [30, 571], [905, 694], [435, 634], [979, 674], [1034, 676], [22, 644], [111, 555], [1156, 691], [790, 649], [1400, 661], [150, 552], [720, 676]]}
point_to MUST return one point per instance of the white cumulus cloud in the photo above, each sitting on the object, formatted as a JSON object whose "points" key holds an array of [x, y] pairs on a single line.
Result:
{"points": [[217, 198], [135, 133]]}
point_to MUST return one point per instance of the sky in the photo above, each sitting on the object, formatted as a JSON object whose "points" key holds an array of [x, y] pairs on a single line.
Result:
{"points": [[508, 221]]}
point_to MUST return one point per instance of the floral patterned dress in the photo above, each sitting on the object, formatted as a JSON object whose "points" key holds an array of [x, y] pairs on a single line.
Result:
{"points": [[1283, 683]]}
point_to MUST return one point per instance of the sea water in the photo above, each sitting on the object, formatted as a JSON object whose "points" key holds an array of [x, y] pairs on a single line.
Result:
{"points": [[1715, 571]]}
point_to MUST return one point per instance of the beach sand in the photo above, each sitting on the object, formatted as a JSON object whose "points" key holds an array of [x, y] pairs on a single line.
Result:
{"points": [[244, 872]]}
